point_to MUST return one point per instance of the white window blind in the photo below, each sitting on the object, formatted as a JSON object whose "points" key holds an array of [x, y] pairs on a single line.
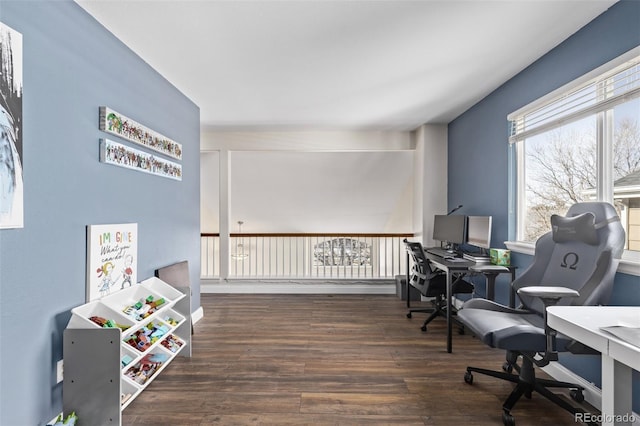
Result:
{"points": [[601, 93]]}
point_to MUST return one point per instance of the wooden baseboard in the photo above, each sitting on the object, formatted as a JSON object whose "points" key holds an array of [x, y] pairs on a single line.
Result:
{"points": [[297, 287]]}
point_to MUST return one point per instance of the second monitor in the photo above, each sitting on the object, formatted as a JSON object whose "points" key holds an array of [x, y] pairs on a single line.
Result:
{"points": [[479, 231]]}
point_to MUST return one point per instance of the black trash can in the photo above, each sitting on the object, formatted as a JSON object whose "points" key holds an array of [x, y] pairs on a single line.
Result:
{"points": [[401, 289]]}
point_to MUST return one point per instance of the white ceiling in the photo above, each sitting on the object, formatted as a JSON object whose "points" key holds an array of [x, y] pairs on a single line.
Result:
{"points": [[351, 65]]}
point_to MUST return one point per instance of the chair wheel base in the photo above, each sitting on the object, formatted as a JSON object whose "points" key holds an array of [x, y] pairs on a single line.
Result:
{"points": [[507, 419], [577, 395], [423, 328], [468, 378]]}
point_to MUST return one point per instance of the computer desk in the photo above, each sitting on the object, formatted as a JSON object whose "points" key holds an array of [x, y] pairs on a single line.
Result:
{"points": [[619, 357], [457, 267]]}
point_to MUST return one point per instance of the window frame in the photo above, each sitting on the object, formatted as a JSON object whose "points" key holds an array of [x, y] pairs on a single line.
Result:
{"points": [[630, 262]]}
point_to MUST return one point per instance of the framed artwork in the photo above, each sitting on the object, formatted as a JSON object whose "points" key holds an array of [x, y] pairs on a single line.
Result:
{"points": [[112, 258], [11, 183], [121, 155], [126, 128]]}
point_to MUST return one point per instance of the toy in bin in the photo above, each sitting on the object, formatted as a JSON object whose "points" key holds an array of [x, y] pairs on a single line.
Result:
{"points": [[69, 421], [145, 337], [147, 367], [500, 257], [105, 323], [172, 343], [143, 308]]}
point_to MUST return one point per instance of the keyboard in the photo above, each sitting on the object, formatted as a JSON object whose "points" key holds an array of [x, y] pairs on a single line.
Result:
{"points": [[441, 252]]}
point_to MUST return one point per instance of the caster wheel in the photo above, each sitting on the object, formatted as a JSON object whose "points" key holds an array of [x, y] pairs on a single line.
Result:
{"points": [[507, 367], [507, 419], [461, 331], [423, 328], [577, 395], [468, 378], [409, 315]]}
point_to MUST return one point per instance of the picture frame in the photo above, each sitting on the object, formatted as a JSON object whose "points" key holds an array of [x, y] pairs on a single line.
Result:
{"points": [[11, 158], [121, 155], [120, 125], [112, 258]]}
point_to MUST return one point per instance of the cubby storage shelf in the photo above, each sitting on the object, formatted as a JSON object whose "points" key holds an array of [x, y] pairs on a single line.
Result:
{"points": [[104, 373], [129, 382]]}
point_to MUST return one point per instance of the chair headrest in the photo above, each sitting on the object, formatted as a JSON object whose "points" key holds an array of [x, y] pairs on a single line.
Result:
{"points": [[602, 211], [575, 228]]}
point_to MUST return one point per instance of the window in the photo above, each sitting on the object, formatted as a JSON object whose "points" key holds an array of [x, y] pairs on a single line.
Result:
{"points": [[581, 143]]}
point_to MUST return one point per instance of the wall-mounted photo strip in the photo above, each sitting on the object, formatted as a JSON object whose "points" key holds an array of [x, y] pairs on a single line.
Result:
{"points": [[120, 125], [124, 156], [11, 183]]}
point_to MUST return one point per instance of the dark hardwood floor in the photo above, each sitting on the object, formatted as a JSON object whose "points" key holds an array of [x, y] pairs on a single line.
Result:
{"points": [[328, 360]]}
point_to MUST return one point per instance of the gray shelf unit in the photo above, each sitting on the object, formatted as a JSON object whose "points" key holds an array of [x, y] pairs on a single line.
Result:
{"points": [[94, 378]]}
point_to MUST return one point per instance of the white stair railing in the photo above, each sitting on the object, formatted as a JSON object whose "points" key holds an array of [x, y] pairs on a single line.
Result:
{"points": [[307, 256]]}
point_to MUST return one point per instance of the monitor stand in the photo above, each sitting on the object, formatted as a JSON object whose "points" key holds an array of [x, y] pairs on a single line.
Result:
{"points": [[451, 248]]}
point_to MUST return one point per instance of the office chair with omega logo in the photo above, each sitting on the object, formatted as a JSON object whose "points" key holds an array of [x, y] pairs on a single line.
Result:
{"points": [[574, 264]]}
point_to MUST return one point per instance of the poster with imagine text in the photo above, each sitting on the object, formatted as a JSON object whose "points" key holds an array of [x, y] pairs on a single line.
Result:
{"points": [[112, 258]]}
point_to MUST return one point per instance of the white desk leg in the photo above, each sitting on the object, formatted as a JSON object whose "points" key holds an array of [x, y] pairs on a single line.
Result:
{"points": [[616, 392]]}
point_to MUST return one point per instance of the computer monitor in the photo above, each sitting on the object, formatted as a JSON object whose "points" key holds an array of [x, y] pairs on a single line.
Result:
{"points": [[479, 231], [449, 228]]}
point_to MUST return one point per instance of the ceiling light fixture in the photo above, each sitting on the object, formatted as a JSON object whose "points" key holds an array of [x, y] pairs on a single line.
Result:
{"points": [[241, 252]]}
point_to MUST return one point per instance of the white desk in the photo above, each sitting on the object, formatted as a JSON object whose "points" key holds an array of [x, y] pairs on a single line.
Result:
{"points": [[619, 358]]}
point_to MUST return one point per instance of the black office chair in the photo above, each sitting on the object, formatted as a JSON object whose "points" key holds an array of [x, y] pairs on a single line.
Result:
{"points": [[581, 254], [430, 282]]}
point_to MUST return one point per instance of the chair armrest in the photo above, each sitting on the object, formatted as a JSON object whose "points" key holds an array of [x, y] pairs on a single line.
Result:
{"points": [[489, 268], [549, 296], [549, 293]]}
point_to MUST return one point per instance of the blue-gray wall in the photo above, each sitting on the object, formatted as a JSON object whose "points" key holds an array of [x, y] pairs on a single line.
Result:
{"points": [[478, 152], [72, 65]]}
